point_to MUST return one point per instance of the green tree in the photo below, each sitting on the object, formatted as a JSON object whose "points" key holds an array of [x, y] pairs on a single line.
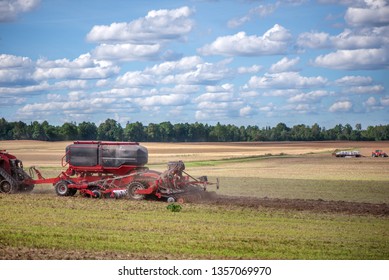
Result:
{"points": [[280, 132], [19, 131], [166, 131], [5, 127], [110, 130], [69, 131], [197, 132], [219, 133], [316, 132], [347, 130], [181, 132], [153, 132], [53, 133], [87, 131], [38, 132], [134, 132]]}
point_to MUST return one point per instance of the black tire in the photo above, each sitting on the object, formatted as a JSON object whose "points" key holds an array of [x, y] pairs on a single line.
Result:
{"points": [[132, 188], [7, 187], [62, 189], [72, 192], [8, 184], [97, 194]]}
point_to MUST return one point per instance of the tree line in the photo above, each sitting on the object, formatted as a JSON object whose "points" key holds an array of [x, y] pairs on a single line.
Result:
{"points": [[111, 130]]}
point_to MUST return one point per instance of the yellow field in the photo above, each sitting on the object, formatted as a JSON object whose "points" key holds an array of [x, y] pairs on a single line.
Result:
{"points": [[50, 153]]}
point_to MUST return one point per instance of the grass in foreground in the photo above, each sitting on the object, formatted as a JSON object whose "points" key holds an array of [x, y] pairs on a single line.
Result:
{"points": [[149, 230]]}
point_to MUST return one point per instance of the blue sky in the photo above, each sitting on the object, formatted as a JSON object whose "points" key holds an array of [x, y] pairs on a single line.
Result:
{"points": [[242, 62]]}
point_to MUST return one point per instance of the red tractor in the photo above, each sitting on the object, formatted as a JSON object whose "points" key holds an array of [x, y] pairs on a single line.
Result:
{"points": [[12, 176], [110, 169], [379, 153]]}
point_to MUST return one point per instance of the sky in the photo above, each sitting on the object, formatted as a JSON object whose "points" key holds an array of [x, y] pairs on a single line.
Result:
{"points": [[241, 62]]}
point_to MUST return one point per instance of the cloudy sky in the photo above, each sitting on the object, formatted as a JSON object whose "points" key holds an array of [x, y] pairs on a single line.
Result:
{"points": [[244, 62]]}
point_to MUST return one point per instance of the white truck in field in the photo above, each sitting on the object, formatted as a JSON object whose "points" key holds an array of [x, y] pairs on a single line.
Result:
{"points": [[348, 154]]}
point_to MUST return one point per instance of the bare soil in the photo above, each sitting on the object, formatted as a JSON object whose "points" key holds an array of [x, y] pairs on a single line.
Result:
{"points": [[320, 206], [25, 253]]}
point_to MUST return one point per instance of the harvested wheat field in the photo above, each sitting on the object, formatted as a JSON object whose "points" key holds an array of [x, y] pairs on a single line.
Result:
{"points": [[50, 153], [284, 200]]}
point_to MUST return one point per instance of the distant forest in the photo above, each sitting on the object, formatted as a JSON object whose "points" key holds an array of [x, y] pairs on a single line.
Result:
{"points": [[111, 130]]}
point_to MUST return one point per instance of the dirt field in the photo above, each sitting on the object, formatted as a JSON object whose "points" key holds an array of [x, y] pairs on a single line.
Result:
{"points": [[50, 153], [321, 206]]}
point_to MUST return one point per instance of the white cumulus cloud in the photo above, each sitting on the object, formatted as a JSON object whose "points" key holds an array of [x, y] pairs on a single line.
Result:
{"points": [[376, 14], [246, 111], [261, 11], [16, 70], [341, 106], [204, 74], [314, 40], [285, 65], [212, 96], [274, 41], [170, 67], [163, 100], [249, 70], [157, 25], [372, 89], [10, 9], [310, 97], [135, 79], [126, 52], [354, 81], [286, 80], [83, 67], [360, 38], [355, 59]]}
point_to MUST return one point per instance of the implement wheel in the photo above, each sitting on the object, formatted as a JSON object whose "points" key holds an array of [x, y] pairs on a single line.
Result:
{"points": [[133, 187], [62, 189]]}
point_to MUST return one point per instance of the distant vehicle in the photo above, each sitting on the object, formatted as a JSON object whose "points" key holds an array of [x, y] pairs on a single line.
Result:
{"points": [[347, 154], [379, 153]]}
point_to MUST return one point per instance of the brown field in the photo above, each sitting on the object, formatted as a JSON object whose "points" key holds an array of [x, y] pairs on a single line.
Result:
{"points": [[50, 153]]}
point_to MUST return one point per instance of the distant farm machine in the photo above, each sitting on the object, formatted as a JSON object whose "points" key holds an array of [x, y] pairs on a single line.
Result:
{"points": [[379, 153], [107, 169]]}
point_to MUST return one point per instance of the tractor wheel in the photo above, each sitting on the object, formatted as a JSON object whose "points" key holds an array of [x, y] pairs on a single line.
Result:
{"points": [[7, 187], [61, 188], [8, 184], [133, 187]]}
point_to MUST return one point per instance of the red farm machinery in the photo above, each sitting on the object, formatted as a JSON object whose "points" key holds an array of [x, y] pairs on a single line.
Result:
{"points": [[379, 153], [107, 169]]}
